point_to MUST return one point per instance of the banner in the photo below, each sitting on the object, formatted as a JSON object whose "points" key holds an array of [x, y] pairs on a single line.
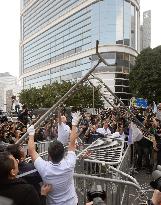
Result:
{"points": [[139, 102]]}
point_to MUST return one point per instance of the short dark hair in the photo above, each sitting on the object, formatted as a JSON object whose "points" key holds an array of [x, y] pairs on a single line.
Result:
{"points": [[14, 149], [56, 151], [6, 165]]}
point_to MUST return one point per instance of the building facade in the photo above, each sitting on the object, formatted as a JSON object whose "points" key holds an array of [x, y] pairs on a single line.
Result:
{"points": [[145, 31], [58, 40], [7, 82]]}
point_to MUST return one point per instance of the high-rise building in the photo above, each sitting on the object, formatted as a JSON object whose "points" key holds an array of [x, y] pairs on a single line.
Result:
{"points": [[145, 31], [7, 82], [58, 40]]}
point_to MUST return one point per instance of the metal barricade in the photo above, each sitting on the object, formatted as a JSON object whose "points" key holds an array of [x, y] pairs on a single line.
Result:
{"points": [[41, 147], [105, 149], [43, 155], [119, 186], [126, 163], [112, 187], [111, 172]]}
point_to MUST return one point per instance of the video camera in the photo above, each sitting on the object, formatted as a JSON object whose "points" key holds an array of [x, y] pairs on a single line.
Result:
{"points": [[97, 195], [156, 183]]}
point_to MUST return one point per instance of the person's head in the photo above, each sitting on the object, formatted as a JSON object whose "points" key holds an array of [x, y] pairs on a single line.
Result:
{"points": [[8, 166], [56, 151], [23, 129], [17, 151], [63, 119], [93, 128], [105, 124]]}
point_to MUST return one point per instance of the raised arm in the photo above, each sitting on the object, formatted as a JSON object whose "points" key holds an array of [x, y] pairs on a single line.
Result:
{"points": [[73, 136], [31, 144]]}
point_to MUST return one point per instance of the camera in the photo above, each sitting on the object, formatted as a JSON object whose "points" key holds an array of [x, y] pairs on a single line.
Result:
{"points": [[156, 183], [97, 195]]}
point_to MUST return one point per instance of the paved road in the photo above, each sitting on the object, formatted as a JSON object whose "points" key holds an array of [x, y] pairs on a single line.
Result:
{"points": [[144, 179]]}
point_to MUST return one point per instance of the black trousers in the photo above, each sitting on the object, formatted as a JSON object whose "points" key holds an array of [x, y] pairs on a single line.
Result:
{"points": [[143, 152], [159, 157]]}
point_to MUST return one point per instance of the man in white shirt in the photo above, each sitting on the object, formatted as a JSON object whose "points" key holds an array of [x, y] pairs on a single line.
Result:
{"points": [[63, 130], [59, 171], [105, 129]]}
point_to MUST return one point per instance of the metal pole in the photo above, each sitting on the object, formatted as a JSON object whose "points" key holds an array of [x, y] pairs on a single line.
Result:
{"points": [[121, 103], [108, 180], [60, 102], [102, 95]]}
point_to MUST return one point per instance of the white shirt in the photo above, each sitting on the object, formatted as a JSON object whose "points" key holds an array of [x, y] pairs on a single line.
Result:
{"points": [[137, 135], [63, 133], [117, 135], [60, 176], [104, 131]]}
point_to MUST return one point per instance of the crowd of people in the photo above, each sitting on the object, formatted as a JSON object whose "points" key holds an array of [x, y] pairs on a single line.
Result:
{"points": [[56, 175]]}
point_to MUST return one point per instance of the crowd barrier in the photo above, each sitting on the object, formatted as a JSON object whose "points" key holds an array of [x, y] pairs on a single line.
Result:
{"points": [[105, 149], [41, 147], [113, 189], [113, 176]]}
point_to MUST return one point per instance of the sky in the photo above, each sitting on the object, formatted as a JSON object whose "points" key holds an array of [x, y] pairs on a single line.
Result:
{"points": [[10, 31]]}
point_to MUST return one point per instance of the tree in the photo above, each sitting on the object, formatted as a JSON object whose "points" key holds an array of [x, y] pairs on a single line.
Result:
{"points": [[145, 76], [32, 97], [48, 95]]}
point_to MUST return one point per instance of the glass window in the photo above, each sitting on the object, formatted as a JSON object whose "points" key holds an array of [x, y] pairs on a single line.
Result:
{"points": [[119, 56], [126, 70], [118, 88], [118, 82], [127, 24], [55, 43], [42, 12], [126, 56], [119, 69], [119, 22], [136, 28], [132, 26], [126, 89]]}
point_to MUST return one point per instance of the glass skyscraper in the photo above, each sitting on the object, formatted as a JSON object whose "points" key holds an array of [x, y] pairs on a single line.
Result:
{"points": [[58, 39]]}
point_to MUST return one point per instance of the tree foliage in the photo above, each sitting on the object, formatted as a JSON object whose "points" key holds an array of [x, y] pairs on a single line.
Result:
{"points": [[145, 77], [48, 95]]}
